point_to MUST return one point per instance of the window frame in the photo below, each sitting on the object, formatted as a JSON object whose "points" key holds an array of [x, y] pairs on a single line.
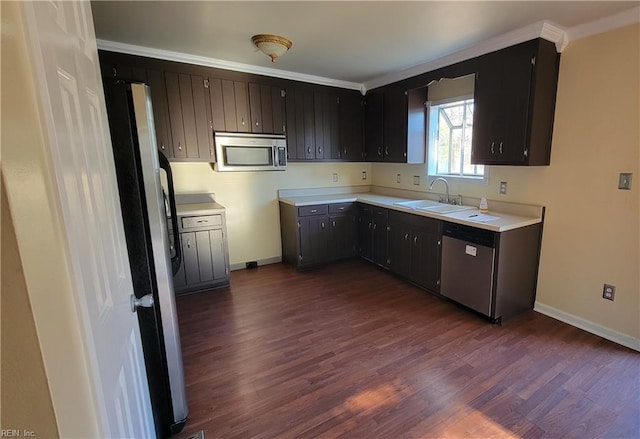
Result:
{"points": [[431, 166]]}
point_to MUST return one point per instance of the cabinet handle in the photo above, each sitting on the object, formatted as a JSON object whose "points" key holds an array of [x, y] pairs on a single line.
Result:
{"points": [[374, 226], [380, 150], [257, 123], [179, 146], [345, 152], [492, 146], [501, 143], [333, 224], [322, 225], [406, 236], [319, 150], [309, 150], [386, 150], [415, 239], [242, 121], [162, 146], [314, 210], [188, 243]]}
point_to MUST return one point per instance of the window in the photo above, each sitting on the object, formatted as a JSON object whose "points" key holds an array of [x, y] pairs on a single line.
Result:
{"points": [[449, 143]]}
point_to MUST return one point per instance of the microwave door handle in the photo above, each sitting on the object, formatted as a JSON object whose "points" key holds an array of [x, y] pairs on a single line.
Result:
{"points": [[275, 156]]}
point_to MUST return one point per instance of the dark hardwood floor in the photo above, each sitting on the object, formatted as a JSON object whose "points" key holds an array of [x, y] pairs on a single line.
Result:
{"points": [[348, 350]]}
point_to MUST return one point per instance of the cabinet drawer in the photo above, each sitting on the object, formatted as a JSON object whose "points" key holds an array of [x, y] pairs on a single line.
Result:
{"points": [[340, 207], [313, 210], [190, 222]]}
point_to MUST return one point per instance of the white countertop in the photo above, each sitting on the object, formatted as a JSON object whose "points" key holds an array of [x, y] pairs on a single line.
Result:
{"points": [[503, 223], [208, 208], [197, 204]]}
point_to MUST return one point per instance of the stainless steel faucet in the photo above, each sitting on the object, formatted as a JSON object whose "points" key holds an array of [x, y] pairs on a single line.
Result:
{"points": [[446, 184]]}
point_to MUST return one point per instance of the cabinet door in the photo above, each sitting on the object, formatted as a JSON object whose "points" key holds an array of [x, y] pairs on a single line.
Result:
{"points": [[217, 105], [400, 240], [242, 106], [294, 141], [229, 106], [203, 246], [175, 114], [155, 79], [365, 231], [342, 237], [188, 116], [501, 106], [380, 237], [266, 108], [278, 110], [350, 128], [255, 107], [218, 260], [326, 125], [373, 127], [425, 256], [313, 239], [308, 123], [203, 120], [394, 131], [190, 257]]}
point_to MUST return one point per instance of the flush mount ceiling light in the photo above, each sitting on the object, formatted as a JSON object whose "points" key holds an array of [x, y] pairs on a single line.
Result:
{"points": [[272, 45]]}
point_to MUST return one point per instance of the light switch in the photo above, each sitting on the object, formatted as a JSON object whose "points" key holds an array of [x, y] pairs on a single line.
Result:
{"points": [[416, 180]]}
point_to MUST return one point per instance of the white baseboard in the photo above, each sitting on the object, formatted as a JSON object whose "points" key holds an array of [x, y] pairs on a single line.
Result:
{"points": [[267, 261], [594, 328]]}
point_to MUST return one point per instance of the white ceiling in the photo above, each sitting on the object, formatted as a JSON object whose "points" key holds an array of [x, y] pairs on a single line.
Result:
{"points": [[347, 41]]}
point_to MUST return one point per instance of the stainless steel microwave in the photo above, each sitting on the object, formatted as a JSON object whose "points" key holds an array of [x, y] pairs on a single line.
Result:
{"points": [[250, 152]]}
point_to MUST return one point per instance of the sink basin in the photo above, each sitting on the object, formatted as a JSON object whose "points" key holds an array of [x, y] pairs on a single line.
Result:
{"points": [[444, 208], [418, 204]]}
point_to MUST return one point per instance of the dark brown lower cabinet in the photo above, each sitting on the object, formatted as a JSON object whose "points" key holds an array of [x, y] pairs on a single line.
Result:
{"points": [[373, 234], [415, 248], [205, 260], [313, 235]]}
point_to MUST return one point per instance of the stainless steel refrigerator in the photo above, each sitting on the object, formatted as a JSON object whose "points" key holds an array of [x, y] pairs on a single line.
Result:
{"points": [[147, 226]]}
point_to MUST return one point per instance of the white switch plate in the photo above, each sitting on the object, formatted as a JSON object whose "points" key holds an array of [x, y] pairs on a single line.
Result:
{"points": [[364, 175], [416, 180], [398, 178], [503, 188], [335, 177]]}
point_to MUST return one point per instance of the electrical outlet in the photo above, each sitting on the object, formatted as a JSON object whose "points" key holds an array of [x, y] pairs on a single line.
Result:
{"points": [[335, 177], [608, 292], [503, 188], [416, 180], [398, 178], [364, 175], [624, 180]]}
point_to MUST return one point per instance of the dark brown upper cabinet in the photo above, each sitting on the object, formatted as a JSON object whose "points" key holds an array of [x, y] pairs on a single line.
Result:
{"points": [[246, 108], [326, 125], [373, 149], [190, 116], [350, 127], [514, 105], [267, 109], [155, 80], [395, 124], [300, 131]]}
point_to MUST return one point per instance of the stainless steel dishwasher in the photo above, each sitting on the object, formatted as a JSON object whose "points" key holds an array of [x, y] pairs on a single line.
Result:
{"points": [[467, 266]]}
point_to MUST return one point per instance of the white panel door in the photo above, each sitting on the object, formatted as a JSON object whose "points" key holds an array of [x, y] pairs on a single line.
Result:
{"points": [[66, 62]]}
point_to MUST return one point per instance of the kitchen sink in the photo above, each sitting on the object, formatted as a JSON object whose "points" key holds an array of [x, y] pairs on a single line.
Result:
{"points": [[418, 204], [444, 208]]}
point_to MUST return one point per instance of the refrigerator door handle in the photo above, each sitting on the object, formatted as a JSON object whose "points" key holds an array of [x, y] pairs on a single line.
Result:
{"points": [[176, 260]]}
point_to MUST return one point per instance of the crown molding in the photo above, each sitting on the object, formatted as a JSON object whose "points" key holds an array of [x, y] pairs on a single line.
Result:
{"points": [[168, 55], [547, 30], [622, 19], [543, 29]]}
